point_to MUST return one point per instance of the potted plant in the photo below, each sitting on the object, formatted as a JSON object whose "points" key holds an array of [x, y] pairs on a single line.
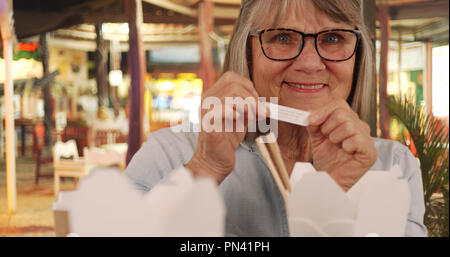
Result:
{"points": [[430, 138]]}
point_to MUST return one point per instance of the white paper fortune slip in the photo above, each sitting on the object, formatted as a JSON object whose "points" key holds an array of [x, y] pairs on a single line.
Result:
{"points": [[288, 114]]}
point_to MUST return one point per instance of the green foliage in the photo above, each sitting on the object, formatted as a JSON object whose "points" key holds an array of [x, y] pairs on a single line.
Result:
{"points": [[445, 224], [26, 55], [431, 141]]}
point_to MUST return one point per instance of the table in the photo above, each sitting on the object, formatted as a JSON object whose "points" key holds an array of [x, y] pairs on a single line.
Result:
{"points": [[116, 147], [120, 148]]}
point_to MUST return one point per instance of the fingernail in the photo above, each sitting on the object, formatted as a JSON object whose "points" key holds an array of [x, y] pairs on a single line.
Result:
{"points": [[313, 117]]}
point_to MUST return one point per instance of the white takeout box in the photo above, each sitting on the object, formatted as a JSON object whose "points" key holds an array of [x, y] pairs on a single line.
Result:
{"points": [[106, 204], [377, 205]]}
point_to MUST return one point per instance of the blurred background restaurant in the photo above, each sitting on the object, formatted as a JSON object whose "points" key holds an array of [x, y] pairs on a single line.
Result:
{"points": [[83, 67]]}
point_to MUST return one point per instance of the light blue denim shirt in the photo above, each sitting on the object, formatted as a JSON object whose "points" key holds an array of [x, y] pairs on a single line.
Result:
{"points": [[254, 205]]}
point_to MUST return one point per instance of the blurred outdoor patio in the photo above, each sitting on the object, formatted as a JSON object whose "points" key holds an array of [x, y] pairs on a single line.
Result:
{"points": [[99, 78], [34, 216]]}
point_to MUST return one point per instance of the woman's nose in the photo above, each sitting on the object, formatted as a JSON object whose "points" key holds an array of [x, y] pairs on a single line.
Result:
{"points": [[309, 59]]}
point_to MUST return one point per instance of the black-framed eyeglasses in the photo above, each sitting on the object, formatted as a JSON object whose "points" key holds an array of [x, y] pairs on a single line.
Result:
{"points": [[281, 44]]}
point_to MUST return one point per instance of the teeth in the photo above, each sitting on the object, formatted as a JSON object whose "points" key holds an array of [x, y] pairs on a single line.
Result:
{"points": [[306, 87]]}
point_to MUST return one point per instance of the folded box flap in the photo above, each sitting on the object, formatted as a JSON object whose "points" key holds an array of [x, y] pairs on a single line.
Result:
{"points": [[383, 207], [318, 198], [106, 204]]}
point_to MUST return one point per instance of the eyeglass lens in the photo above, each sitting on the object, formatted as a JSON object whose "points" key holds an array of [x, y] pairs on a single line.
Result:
{"points": [[285, 44]]}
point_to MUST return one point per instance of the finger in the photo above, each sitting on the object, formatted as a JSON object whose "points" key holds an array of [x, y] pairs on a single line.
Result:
{"points": [[343, 131], [230, 111], [365, 128], [251, 109], [250, 88], [263, 110], [239, 114], [323, 121], [357, 144], [240, 117], [346, 179], [314, 133], [245, 106], [337, 118], [235, 79], [217, 118], [319, 116]]}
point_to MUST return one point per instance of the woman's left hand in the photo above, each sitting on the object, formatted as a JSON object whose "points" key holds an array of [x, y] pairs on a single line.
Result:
{"points": [[341, 143]]}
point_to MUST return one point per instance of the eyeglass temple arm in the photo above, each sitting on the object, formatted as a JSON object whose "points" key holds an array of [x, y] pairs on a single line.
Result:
{"points": [[255, 33]]}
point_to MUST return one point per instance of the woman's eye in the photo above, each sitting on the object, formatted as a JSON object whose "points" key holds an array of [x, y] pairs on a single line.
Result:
{"points": [[282, 38], [331, 39]]}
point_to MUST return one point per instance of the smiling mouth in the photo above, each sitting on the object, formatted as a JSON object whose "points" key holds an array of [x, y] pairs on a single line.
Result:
{"points": [[306, 86]]}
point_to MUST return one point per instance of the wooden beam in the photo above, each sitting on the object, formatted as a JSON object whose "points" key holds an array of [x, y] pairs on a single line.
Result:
{"points": [[115, 58], [225, 12], [206, 25], [101, 58], [74, 44], [148, 38], [173, 7], [429, 81], [7, 32], [46, 79], [368, 8], [9, 128], [157, 41], [219, 12], [47, 95], [384, 19], [420, 10], [137, 66], [6, 19], [403, 2], [399, 62], [430, 31]]}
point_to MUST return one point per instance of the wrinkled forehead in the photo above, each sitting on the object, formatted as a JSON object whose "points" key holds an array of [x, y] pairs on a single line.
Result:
{"points": [[282, 13]]}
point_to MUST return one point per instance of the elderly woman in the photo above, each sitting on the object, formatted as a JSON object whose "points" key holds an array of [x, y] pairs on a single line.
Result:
{"points": [[313, 55]]}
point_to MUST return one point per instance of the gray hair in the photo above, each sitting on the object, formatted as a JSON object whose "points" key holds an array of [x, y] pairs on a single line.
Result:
{"points": [[256, 13]]}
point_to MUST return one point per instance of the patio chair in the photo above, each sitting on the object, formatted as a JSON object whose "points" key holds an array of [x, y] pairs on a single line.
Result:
{"points": [[80, 134], [108, 136], [38, 146], [67, 163]]}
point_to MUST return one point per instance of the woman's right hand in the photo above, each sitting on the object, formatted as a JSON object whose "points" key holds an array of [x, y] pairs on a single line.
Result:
{"points": [[215, 152]]}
